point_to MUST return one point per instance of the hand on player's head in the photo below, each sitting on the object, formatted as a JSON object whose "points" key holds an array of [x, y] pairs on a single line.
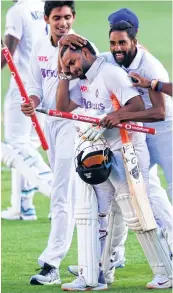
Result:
{"points": [[28, 108], [71, 40]]}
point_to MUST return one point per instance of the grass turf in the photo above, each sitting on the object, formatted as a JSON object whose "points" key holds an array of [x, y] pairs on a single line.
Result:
{"points": [[22, 242]]}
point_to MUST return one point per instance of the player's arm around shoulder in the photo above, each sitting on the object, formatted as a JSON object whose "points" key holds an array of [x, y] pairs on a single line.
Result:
{"points": [[119, 84]]}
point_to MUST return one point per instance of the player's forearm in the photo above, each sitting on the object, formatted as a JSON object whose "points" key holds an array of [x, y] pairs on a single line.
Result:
{"points": [[62, 96], [167, 88], [11, 42], [149, 115], [35, 99]]}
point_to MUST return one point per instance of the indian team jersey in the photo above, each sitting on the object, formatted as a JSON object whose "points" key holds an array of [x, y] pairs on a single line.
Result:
{"points": [[148, 66], [102, 81], [25, 21]]}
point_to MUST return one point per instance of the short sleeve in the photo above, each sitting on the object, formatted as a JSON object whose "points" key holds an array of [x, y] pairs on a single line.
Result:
{"points": [[14, 23], [153, 69], [34, 82], [118, 83]]}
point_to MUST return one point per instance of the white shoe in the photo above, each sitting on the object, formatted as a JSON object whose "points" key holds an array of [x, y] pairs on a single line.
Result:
{"points": [[160, 282], [49, 275], [27, 215], [10, 214], [109, 276], [79, 284]]}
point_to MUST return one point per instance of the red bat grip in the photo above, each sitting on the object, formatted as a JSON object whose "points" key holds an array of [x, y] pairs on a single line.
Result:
{"points": [[24, 95], [122, 126]]}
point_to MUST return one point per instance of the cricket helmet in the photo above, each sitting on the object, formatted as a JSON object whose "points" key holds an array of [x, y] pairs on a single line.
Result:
{"points": [[94, 162]]}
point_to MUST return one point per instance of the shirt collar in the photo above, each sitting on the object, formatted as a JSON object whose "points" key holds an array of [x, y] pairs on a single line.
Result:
{"points": [[136, 61], [94, 69]]}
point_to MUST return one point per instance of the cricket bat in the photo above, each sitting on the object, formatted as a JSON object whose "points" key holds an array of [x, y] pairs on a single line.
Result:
{"points": [[138, 193]]}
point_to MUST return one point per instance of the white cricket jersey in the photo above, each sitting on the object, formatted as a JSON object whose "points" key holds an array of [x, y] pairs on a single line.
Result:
{"points": [[25, 21], [103, 80], [43, 75], [148, 66]]}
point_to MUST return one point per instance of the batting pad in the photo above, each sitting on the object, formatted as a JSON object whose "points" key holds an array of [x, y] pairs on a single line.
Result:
{"points": [[30, 164], [156, 251], [86, 216], [129, 214], [117, 235]]}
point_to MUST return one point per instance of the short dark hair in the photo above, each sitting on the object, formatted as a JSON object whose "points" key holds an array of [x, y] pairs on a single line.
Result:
{"points": [[49, 5], [78, 48], [124, 26]]}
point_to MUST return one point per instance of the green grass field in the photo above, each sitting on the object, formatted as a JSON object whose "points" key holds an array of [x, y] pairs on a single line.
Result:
{"points": [[22, 242]]}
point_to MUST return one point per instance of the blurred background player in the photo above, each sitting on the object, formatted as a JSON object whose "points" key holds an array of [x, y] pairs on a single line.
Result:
{"points": [[24, 24]]}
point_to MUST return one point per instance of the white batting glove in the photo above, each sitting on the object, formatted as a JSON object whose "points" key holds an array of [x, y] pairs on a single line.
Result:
{"points": [[90, 131], [94, 133]]}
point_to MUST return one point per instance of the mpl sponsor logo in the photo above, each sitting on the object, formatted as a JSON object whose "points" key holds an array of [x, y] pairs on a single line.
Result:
{"points": [[84, 88], [95, 106], [42, 58]]}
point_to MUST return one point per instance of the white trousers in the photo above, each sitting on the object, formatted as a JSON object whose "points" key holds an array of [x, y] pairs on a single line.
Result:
{"points": [[60, 135]]}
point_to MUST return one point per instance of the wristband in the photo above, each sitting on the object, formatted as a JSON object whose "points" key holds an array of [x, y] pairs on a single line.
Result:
{"points": [[159, 86], [63, 76], [154, 83]]}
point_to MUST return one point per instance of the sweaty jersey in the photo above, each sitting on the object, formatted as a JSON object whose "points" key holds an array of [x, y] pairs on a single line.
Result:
{"points": [[25, 21], [102, 81], [148, 66]]}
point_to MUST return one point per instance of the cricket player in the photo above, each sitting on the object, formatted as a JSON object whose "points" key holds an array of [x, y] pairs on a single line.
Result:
{"points": [[24, 23], [141, 61], [42, 86], [100, 81], [154, 84], [157, 193]]}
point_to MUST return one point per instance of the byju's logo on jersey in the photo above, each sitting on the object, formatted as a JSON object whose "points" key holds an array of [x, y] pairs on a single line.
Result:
{"points": [[49, 73], [90, 105], [42, 58]]}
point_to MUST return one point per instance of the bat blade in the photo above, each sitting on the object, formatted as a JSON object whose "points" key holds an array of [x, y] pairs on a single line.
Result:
{"points": [[137, 188]]}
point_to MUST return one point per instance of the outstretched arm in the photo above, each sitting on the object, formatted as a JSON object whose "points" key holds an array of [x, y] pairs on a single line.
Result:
{"points": [[155, 85]]}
